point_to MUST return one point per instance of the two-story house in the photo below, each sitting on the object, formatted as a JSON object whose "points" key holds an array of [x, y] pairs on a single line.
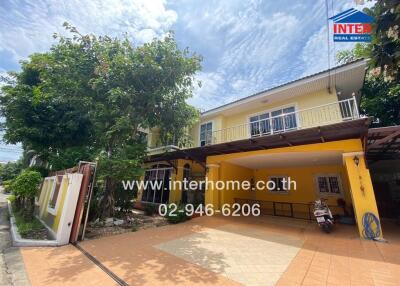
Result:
{"points": [[309, 130]]}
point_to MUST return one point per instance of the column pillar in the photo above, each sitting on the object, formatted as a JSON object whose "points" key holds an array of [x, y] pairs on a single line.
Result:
{"points": [[361, 189], [211, 193]]}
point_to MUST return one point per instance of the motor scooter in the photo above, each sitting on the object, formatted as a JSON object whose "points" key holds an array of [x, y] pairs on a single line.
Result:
{"points": [[323, 215]]}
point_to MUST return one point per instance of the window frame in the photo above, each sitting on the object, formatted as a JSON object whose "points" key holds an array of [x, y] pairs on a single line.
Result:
{"points": [[212, 130], [50, 209], [269, 112], [153, 192], [281, 192], [330, 193]]}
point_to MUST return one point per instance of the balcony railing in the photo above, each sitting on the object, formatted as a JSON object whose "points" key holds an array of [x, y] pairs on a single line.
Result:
{"points": [[326, 114]]}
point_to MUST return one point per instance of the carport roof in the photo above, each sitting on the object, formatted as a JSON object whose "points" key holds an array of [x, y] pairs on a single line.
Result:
{"points": [[383, 143], [333, 132]]}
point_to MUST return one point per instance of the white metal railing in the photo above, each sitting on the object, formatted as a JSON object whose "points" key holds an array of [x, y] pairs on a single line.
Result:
{"points": [[330, 113]]}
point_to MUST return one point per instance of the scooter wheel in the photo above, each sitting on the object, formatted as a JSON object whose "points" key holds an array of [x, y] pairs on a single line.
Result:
{"points": [[326, 228]]}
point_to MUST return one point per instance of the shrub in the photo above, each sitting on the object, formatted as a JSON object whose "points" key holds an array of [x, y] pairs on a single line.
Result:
{"points": [[44, 172], [124, 200], [26, 185], [150, 209], [25, 188], [7, 186], [11, 198], [179, 215]]}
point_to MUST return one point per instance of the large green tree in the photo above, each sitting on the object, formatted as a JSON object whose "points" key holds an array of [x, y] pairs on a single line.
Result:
{"points": [[96, 97], [381, 90]]}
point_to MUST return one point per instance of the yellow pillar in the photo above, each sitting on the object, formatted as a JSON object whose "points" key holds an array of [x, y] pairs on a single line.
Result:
{"points": [[175, 191], [361, 189], [211, 193]]}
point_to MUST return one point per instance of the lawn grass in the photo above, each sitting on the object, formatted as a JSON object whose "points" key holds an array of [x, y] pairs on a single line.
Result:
{"points": [[29, 227]]}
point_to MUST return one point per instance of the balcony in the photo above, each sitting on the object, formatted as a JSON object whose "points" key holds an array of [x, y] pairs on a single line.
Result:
{"points": [[326, 114]]}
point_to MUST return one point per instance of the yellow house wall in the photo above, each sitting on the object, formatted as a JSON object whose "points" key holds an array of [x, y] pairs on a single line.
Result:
{"points": [[306, 187], [218, 123], [350, 145], [231, 172], [309, 118], [301, 102], [306, 119], [304, 177], [356, 180]]}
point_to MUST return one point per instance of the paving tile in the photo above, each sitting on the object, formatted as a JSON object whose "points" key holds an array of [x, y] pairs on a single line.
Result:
{"points": [[225, 251]]}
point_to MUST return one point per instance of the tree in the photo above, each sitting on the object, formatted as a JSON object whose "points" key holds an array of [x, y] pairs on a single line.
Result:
{"points": [[25, 188], [385, 45], [359, 51], [381, 100], [10, 170], [381, 90], [101, 94]]}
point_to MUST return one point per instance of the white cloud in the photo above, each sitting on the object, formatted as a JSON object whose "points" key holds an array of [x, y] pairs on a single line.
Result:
{"points": [[206, 96], [26, 26], [251, 49]]}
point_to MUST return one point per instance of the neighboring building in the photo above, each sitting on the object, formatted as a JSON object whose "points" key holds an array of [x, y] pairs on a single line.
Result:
{"points": [[309, 129]]}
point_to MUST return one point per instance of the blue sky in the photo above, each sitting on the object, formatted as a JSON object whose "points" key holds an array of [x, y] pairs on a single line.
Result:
{"points": [[247, 46]]}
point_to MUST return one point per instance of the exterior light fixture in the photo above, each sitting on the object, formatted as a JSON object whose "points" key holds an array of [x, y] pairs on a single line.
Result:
{"points": [[356, 160]]}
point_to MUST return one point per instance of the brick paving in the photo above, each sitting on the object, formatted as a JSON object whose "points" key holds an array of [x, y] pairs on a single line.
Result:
{"points": [[225, 251]]}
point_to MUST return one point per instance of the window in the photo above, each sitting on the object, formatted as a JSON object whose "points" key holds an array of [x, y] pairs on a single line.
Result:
{"points": [[55, 191], [281, 120], [280, 186], [260, 125], [206, 134], [156, 185], [329, 184]]}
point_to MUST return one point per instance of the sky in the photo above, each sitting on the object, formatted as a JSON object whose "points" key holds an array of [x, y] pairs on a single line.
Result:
{"points": [[247, 46]]}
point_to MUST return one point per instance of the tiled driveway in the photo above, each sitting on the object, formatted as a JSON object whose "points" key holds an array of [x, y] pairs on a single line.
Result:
{"points": [[225, 251]]}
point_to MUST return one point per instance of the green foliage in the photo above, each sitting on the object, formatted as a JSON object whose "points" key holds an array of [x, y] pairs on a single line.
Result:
{"points": [[359, 51], [124, 200], [150, 209], [381, 100], [44, 172], [10, 170], [70, 156], [7, 185], [44, 107], [26, 184], [385, 46], [28, 226], [100, 92], [178, 215], [11, 198]]}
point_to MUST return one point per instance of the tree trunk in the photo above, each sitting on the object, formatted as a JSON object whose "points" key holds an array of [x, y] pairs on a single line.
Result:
{"points": [[107, 201]]}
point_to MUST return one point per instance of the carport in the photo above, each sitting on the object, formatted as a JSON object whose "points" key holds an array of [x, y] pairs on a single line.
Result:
{"points": [[334, 170], [383, 155]]}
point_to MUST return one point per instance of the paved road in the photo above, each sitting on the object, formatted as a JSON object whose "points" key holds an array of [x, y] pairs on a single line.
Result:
{"points": [[12, 269]]}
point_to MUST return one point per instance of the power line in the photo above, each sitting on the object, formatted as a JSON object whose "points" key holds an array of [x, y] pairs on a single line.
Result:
{"points": [[329, 47]]}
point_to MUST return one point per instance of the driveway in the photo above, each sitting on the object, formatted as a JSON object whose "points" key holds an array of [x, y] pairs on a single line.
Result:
{"points": [[12, 270], [224, 251]]}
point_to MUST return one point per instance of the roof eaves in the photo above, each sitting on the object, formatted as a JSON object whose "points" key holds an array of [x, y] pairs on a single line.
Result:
{"points": [[280, 86]]}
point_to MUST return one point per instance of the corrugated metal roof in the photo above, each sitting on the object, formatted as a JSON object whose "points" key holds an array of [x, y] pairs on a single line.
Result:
{"points": [[282, 85]]}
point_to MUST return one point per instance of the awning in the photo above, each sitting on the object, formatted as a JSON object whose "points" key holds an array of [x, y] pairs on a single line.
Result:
{"points": [[383, 143], [334, 132]]}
